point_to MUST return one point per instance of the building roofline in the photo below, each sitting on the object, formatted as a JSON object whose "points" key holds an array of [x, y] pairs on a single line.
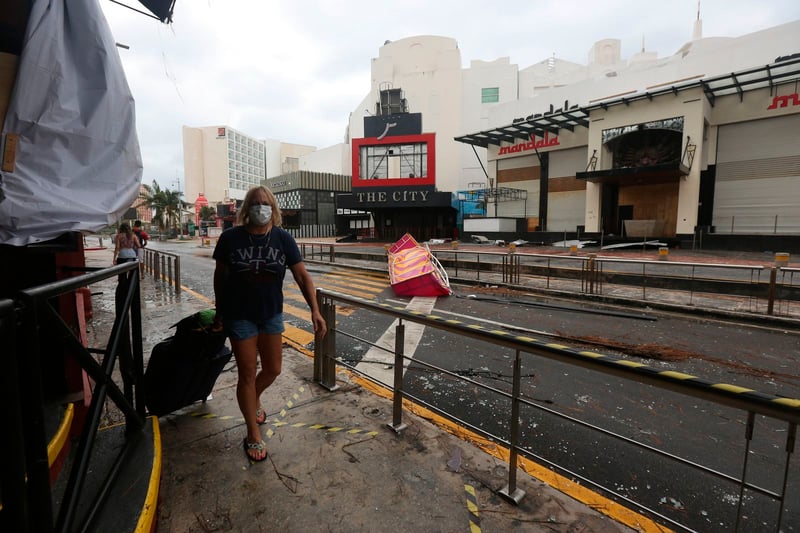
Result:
{"points": [[781, 70]]}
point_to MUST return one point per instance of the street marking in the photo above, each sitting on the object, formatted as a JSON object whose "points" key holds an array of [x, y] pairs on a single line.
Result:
{"points": [[346, 289], [376, 282], [383, 351], [285, 410], [327, 428], [279, 420], [472, 507]]}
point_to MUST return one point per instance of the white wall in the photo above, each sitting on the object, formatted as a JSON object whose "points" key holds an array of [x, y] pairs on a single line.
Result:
{"points": [[205, 160], [428, 70], [335, 159], [489, 225], [475, 114]]}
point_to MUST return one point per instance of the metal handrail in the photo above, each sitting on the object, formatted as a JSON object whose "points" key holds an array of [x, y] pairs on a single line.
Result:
{"points": [[770, 290], [34, 310], [782, 409], [163, 267], [591, 275], [312, 250]]}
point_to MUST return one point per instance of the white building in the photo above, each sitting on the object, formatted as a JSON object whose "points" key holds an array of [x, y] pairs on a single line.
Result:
{"points": [[553, 149], [704, 138], [556, 146], [223, 163]]}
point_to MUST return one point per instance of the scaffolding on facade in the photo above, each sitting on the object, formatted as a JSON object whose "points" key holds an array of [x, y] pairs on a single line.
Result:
{"points": [[495, 195]]}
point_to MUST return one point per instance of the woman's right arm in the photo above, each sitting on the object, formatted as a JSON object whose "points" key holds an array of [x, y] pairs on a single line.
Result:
{"points": [[116, 249]]}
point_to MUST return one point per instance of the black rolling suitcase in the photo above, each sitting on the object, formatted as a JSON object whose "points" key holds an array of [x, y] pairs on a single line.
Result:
{"points": [[183, 368]]}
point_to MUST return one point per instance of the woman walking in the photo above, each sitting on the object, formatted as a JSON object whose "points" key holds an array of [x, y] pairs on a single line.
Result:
{"points": [[251, 262], [126, 246]]}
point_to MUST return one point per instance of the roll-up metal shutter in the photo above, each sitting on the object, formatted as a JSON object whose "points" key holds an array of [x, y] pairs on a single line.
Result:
{"points": [[757, 187]]}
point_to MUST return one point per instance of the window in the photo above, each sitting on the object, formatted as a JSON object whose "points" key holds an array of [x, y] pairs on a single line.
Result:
{"points": [[394, 161], [490, 95]]}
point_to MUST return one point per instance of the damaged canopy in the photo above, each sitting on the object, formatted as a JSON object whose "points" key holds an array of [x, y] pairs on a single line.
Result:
{"points": [[71, 159]]}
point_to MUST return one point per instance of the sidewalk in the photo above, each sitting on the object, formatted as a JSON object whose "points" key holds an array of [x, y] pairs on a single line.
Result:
{"points": [[334, 465]]}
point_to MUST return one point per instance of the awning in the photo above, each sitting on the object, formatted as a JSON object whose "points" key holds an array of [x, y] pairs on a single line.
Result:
{"points": [[636, 175], [532, 125]]}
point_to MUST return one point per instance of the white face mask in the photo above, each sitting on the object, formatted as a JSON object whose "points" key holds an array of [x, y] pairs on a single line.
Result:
{"points": [[260, 215]]}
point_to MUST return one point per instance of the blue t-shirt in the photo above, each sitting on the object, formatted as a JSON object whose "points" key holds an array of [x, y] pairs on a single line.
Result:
{"points": [[253, 288]]}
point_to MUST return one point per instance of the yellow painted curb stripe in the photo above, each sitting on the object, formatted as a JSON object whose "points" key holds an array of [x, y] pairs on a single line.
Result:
{"points": [[298, 336], [146, 519], [55, 446], [197, 295], [472, 507]]}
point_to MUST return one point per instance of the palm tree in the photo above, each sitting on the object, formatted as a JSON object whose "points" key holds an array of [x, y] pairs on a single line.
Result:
{"points": [[166, 205]]}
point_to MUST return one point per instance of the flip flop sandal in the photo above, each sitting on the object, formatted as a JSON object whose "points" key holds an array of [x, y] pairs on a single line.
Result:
{"points": [[254, 446], [261, 416]]}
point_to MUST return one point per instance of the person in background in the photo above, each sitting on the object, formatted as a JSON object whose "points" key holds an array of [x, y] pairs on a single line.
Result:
{"points": [[251, 262], [126, 246], [143, 238]]}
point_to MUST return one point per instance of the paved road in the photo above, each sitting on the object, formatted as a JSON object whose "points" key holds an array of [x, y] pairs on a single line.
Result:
{"points": [[759, 357]]}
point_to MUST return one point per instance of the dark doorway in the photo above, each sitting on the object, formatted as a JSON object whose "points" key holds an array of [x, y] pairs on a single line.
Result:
{"points": [[625, 213], [608, 209], [705, 211]]}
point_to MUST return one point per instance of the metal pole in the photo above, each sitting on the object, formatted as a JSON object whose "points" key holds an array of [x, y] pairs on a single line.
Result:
{"points": [[511, 492], [773, 275], [397, 424], [790, 440], [319, 352], [177, 275], [749, 437], [328, 362]]}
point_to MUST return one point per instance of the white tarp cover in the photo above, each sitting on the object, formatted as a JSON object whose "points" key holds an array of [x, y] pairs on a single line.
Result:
{"points": [[78, 165]]}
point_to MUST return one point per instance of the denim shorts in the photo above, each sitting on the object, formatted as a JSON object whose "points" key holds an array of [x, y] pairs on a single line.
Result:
{"points": [[244, 329]]}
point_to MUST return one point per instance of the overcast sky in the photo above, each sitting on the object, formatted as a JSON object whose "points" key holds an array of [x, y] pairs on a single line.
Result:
{"points": [[293, 70]]}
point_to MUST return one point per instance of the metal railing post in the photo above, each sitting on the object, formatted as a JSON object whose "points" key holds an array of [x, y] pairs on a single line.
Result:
{"points": [[319, 348], [177, 275], [773, 276], [511, 492], [32, 399], [748, 433], [16, 503], [791, 438], [397, 424], [327, 357], [138, 348]]}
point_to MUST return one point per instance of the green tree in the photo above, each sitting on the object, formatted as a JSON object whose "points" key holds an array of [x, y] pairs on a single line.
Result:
{"points": [[166, 205], [207, 213]]}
